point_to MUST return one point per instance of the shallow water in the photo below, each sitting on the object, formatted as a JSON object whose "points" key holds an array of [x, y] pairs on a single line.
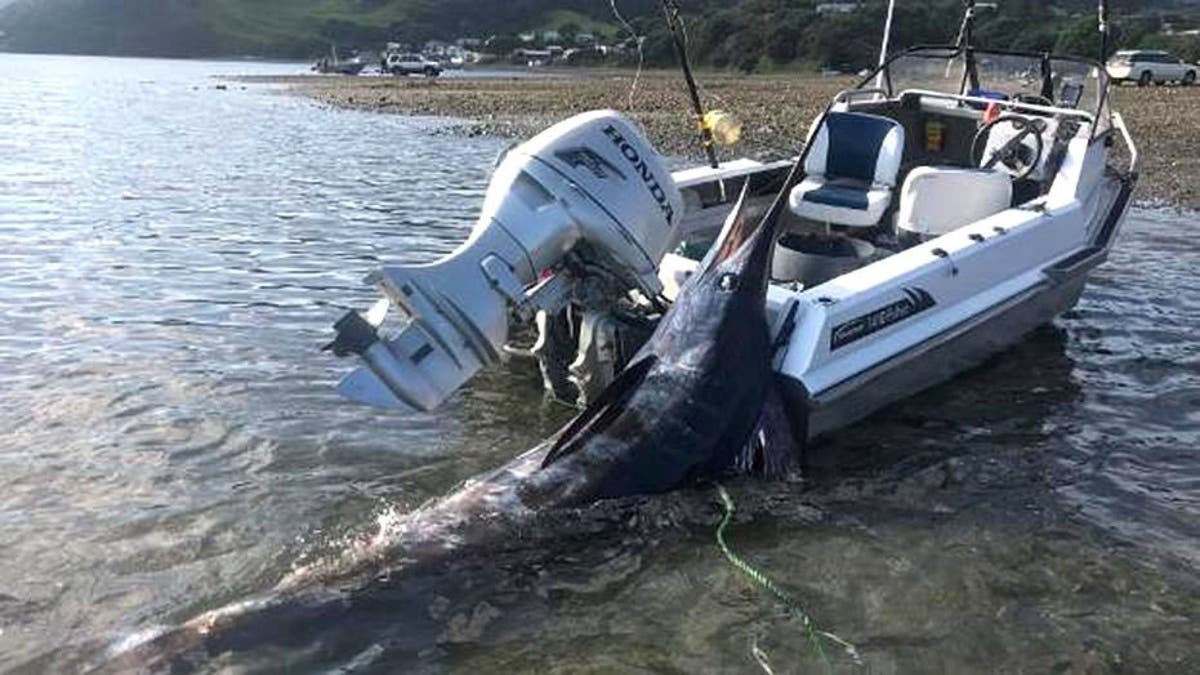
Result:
{"points": [[172, 256]]}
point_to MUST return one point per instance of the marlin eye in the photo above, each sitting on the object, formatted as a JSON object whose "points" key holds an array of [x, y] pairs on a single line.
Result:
{"points": [[728, 282]]}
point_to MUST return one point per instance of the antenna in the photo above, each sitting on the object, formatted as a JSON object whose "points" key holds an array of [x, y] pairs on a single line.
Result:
{"points": [[883, 48], [1102, 15], [966, 41], [966, 31]]}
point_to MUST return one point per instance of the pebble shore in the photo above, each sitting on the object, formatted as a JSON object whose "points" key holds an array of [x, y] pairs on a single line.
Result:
{"points": [[775, 111]]}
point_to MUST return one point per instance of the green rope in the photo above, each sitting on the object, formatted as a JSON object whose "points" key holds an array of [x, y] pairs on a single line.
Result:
{"points": [[812, 633]]}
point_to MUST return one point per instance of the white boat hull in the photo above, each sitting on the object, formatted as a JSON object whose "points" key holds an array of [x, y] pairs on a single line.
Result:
{"points": [[986, 287]]}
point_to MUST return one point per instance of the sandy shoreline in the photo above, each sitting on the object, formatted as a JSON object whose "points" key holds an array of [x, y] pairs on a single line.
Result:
{"points": [[775, 111]]}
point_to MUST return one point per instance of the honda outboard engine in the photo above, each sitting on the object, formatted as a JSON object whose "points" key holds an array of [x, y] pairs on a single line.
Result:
{"points": [[582, 213]]}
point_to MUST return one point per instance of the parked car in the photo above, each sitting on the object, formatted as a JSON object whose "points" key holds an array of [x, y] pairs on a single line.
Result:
{"points": [[411, 64], [1145, 66]]}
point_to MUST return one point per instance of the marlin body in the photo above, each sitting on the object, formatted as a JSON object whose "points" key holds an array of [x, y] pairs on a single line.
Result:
{"points": [[682, 411], [685, 406]]}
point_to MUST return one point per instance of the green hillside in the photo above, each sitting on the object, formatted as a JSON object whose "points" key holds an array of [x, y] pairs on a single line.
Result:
{"points": [[737, 34], [296, 28]]}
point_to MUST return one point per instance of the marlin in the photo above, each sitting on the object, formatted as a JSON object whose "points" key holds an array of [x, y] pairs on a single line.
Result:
{"points": [[683, 411]]}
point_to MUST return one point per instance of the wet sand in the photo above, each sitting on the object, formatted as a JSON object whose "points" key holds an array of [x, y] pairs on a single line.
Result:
{"points": [[775, 111]]}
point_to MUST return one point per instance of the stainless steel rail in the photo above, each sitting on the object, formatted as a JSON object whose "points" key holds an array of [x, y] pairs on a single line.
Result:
{"points": [[1119, 123]]}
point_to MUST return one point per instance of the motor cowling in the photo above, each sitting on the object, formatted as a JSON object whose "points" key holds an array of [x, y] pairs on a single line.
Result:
{"points": [[590, 183]]}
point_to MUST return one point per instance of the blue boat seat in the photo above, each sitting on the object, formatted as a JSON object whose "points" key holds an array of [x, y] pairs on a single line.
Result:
{"points": [[850, 171]]}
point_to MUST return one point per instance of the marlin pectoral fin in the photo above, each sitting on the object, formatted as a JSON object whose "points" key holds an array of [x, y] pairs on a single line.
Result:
{"points": [[601, 412], [773, 450]]}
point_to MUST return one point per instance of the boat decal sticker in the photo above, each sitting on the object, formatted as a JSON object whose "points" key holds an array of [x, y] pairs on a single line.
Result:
{"points": [[590, 160], [915, 301]]}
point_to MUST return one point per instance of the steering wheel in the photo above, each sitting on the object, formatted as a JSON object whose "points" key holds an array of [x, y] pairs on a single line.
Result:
{"points": [[1035, 99], [1017, 156]]}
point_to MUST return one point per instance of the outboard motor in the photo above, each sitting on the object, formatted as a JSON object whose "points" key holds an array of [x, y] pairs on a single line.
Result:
{"points": [[586, 202]]}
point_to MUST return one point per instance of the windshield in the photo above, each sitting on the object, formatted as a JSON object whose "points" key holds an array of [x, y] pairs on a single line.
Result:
{"points": [[1071, 83]]}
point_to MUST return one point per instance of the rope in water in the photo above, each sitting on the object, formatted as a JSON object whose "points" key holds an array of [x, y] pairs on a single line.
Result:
{"points": [[812, 633]]}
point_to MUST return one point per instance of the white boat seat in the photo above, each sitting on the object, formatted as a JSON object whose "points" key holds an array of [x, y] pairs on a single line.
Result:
{"points": [[937, 200], [850, 170]]}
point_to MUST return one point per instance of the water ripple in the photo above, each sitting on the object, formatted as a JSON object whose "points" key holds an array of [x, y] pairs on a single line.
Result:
{"points": [[171, 257]]}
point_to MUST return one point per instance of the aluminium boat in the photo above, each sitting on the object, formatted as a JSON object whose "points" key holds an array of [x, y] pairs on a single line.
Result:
{"points": [[335, 65]]}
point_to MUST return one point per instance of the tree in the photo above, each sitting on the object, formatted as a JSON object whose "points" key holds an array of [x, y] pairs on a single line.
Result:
{"points": [[501, 45], [568, 32]]}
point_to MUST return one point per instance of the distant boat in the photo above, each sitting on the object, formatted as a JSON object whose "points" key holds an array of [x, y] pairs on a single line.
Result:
{"points": [[333, 65]]}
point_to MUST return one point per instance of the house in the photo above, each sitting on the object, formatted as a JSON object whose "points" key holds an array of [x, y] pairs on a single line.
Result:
{"points": [[836, 8], [1170, 29], [531, 57], [594, 55]]}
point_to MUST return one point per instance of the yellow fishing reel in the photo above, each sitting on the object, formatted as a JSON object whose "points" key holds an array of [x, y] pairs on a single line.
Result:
{"points": [[722, 127]]}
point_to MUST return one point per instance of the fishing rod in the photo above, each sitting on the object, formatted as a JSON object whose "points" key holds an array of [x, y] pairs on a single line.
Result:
{"points": [[679, 37]]}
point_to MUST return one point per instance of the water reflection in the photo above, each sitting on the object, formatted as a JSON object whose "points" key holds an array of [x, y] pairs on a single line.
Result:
{"points": [[171, 257], [1009, 400]]}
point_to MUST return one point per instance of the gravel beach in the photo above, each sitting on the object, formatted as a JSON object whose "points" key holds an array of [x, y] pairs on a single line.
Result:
{"points": [[775, 111]]}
